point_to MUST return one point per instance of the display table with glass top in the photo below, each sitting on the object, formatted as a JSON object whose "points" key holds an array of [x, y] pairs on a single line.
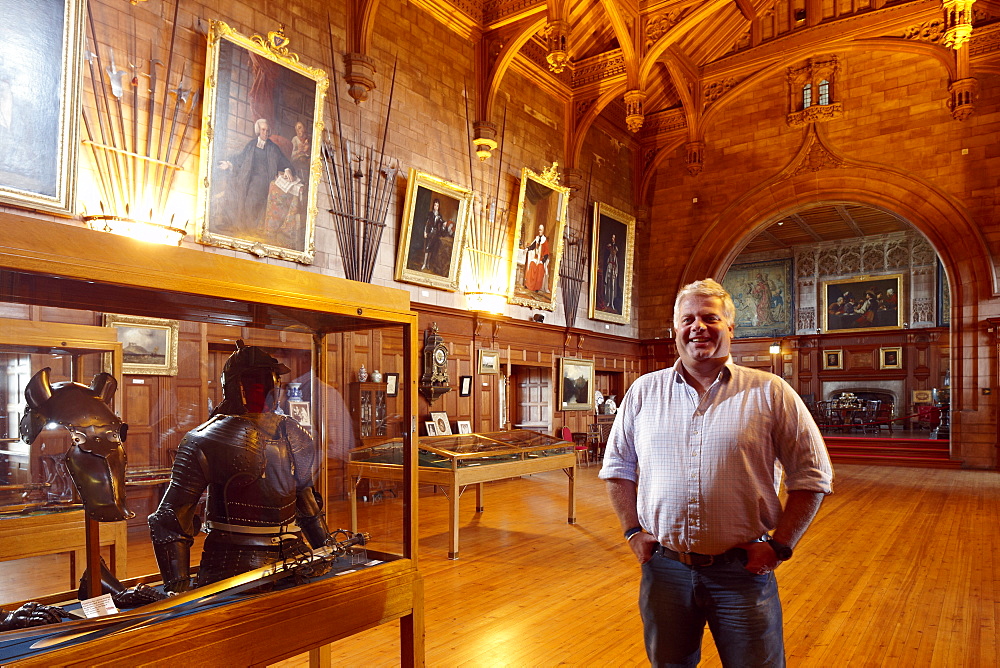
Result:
{"points": [[465, 459]]}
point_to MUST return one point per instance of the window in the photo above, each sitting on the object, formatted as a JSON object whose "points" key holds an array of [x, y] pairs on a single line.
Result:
{"points": [[810, 92]]}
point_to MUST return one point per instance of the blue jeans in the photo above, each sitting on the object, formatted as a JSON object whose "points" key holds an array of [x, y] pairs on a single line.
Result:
{"points": [[742, 610]]}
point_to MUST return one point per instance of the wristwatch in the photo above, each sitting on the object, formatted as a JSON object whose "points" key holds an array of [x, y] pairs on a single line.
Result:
{"points": [[783, 552]]}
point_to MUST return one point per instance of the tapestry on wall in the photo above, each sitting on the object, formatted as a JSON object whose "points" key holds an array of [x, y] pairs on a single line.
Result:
{"points": [[762, 294]]}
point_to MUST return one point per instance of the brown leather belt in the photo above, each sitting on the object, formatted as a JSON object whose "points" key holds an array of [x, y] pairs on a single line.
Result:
{"points": [[696, 560]]}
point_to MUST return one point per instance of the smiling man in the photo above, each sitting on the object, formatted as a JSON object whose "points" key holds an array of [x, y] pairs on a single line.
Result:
{"points": [[693, 468]]}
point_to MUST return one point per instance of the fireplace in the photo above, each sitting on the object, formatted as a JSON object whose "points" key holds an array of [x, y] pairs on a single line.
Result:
{"points": [[886, 391]]}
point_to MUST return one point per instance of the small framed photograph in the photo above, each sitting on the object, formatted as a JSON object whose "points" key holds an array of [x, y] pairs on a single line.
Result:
{"points": [[391, 384], [576, 384], [441, 423], [149, 345], [922, 396], [299, 411], [464, 427], [489, 361], [430, 428], [464, 386], [833, 359], [890, 358]]}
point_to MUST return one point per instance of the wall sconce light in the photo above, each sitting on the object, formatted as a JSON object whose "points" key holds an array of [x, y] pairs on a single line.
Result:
{"points": [[775, 348]]}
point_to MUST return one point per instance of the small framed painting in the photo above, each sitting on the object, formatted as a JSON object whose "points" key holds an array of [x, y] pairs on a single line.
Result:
{"points": [[922, 396], [833, 359], [299, 411], [149, 345], [464, 386], [576, 382], [464, 427], [890, 358], [391, 384], [442, 426], [430, 428], [489, 361]]}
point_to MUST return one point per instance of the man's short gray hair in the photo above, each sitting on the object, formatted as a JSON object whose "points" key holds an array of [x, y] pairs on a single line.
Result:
{"points": [[706, 288], [256, 125]]}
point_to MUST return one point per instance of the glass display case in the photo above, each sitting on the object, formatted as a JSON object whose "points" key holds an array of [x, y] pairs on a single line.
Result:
{"points": [[464, 459], [163, 321]]}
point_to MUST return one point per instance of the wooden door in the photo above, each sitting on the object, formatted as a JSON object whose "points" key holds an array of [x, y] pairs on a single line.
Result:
{"points": [[533, 398]]}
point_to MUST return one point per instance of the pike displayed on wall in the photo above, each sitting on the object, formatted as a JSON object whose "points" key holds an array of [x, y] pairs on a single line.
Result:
{"points": [[260, 153]]}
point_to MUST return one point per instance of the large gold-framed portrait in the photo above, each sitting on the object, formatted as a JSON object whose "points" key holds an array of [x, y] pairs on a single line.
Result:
{"points": [[40, 82], [538, 239], [430, 238], [613, 246], [260, 146]]}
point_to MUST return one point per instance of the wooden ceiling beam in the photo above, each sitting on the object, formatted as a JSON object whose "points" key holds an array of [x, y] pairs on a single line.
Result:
{"points": [[806, 227], [845, 215], [774, 240], [746, 9]]}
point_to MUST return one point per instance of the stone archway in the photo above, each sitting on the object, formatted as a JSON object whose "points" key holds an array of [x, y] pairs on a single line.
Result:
{"points": [[820, 176]]}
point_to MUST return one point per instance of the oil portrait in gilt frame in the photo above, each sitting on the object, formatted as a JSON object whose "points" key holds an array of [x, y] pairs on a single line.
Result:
{"points": [[149, 345], [430, 238], [762, 294], [260, 146], [40, 80], [538, 238], [863, 303], [613, 246]]}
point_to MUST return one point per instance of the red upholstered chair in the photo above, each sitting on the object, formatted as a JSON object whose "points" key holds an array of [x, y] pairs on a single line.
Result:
{"points": [[582, 449]]}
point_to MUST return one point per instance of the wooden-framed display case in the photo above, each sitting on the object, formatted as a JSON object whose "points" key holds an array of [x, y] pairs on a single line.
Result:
{"points": [[59, 281], [465, 459]]}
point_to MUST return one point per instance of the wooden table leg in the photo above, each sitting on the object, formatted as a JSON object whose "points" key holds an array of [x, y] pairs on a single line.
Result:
{"points": [[453, 498], [571, 474]]}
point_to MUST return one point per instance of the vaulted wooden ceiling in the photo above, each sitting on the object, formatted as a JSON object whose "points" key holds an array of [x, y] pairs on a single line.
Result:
{"points": [[823, 223], [680, 58]]}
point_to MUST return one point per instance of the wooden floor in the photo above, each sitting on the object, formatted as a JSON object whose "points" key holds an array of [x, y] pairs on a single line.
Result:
{"points": [[899, 569]]}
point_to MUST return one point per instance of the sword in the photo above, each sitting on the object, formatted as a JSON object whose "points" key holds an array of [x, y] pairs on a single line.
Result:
{"points": [[175, 605]]}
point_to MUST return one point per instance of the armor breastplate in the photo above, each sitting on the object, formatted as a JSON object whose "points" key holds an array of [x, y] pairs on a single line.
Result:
{"points": [[251, 468]]}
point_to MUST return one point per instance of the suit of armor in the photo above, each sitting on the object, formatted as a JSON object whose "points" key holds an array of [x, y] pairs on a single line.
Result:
{"points": [[258, 468]]}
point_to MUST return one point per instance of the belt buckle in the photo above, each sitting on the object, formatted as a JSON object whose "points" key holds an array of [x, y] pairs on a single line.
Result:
{"points": [[687, 558]]}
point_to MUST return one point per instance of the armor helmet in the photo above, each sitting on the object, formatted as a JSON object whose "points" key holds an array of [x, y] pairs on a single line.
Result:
{"points": [[97, 460], [250, 381]]}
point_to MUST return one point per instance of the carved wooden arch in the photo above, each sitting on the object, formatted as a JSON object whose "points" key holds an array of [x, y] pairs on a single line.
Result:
{"points": [[626, 42], [490, 85], [818, 173], [942, 220], [362, 25], [583, 126], [940, 54], [684, 26], [650, 169]]}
